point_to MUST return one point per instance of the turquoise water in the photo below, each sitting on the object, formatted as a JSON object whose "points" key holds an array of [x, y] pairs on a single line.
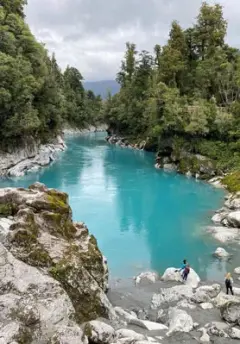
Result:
{"points": [[142, 218]]}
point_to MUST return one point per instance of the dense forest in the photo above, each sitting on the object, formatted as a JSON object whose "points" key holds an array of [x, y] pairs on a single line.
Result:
{"points": [[188, 91], [36, 98]]}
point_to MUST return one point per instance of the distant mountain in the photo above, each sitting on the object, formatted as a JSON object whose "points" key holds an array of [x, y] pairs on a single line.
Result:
{"points": [[102, 87]]}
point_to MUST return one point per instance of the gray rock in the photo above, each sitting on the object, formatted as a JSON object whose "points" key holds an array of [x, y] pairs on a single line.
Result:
{"points": [[234, 333], [30, 157], [98, 332], [211, 290], [173, 294], [146, 278], [179, 321], [29, 297], [126, 333], [233, 219], [230, 312]]}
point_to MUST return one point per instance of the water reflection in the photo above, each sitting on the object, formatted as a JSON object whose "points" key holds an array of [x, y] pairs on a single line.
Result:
{"points": [[142, 218]]}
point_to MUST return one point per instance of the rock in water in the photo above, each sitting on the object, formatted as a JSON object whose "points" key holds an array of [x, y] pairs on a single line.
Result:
{"points": [[221, 253], [43, 235], [171, 274]]}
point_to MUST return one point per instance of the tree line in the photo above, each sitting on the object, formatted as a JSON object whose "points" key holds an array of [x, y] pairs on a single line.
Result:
{"points": [[187, 90], [37, 99]]}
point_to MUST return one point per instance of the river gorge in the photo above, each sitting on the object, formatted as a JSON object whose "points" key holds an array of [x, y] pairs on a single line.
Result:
{"points": [[143, 218]]}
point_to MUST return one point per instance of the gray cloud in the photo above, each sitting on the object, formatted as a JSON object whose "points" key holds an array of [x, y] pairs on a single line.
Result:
{"points": [[91, 34]]}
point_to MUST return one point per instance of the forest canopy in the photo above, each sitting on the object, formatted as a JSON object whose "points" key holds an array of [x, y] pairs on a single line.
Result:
{"points": [[188, 90], [36, 98]]}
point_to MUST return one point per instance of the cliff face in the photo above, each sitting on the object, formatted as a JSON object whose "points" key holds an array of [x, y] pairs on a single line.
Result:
{"points": [[52, 273], [29, 158]]}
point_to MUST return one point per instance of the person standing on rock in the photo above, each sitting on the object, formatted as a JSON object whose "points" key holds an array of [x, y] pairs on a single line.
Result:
{"points": [[229, 283], [186, 272], [183, 267]]}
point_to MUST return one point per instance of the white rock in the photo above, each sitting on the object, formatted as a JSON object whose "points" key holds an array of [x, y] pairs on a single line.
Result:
{"points": [[236, 291], [211, 290], [172, 275], [173, 294], [205, 337], [230, 312], [179, 321], [126, 333], [206, 305], [234, 333], [233, 202], [201, 297], [189, 174], [126, 315], [185, 304], [148, 325], [234, 219], [222, 299], [99, 332], [5, 224], [218, 217], [221, 253], [237, 270], [146, 278]]}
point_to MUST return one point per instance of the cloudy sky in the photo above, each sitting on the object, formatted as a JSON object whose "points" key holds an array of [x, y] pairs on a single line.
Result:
{"points": [[91, 34]]}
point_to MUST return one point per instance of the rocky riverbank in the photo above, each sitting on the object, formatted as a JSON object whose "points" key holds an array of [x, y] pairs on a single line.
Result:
{"points": [[90, 129], [54, 280], [30, 158]]}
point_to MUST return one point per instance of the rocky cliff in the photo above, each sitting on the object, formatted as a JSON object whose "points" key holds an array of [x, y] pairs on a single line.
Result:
{"points": [[31, 157], [52, 275]]}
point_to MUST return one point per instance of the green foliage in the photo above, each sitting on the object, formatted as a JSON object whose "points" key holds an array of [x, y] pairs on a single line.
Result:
{"points": [[232, 181], [36, 98], [188, 89]]}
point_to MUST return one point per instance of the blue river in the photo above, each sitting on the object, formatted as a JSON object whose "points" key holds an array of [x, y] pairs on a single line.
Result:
{"points": [[143, 218]]}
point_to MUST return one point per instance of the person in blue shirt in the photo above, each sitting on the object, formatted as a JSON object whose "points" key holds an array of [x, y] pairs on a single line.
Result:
{"points": [[183, 267]]}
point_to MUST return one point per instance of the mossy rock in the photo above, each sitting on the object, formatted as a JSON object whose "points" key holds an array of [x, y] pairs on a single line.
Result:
{"points": [[6, 209], [59, 224], [39, 257], [86, 302], [232, 181]]}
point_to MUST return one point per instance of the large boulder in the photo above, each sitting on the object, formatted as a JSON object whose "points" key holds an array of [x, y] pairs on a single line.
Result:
{"points": [[179, 321], [172, 274], [223, 299], [230, 312], [174, 294], [33, 305], [43, 235], [211, 291]]}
